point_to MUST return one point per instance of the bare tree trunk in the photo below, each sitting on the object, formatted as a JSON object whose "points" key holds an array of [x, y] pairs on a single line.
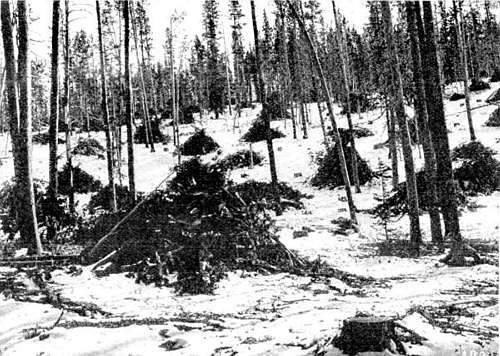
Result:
{"points": [[109, 149], [343, 165], [465, 67], [65, 107], [343, 56], [54, 104], [397, 90], [20, 123], [393, 149], [437, 126], [269, 140], [422, 117], [128, 103]]}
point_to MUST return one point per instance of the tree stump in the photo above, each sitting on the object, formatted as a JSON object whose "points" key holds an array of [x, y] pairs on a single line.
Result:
{"points": [[368, 333]]}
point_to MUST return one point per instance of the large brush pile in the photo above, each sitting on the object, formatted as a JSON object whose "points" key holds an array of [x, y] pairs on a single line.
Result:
{"points": [[477, 85], [257, 132], [494, 119], [43, 138], [89, 147], [241, 159], [101, 200], [198, 230], [82, 181], [199, 144], [329, 174], [140, 133], [495, 77], [477, 169]]}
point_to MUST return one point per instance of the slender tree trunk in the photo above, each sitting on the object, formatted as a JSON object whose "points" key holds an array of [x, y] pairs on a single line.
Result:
{"points": [[20, 123], [343, 56], [465, 67], [269, 140], [422, 117], [317, 64], [54, 105], [393, 149], [437, 126], [65, 108], [109, 149], [397, 90], [128, 103]]}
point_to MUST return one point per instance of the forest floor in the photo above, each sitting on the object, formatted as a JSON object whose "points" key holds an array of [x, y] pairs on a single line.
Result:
{"points": [[454, 308]]}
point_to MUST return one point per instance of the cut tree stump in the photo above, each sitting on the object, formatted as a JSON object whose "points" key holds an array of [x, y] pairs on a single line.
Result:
{"points": [[368, 333]]}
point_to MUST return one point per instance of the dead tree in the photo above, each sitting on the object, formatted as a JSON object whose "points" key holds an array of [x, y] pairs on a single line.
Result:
{"points": [[397, 95], [422, 117], [19, 112], [128, 103], [269, 140], [105, 112], [338, 140]]}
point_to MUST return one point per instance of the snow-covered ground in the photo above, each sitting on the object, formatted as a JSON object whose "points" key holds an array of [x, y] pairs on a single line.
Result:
{"points": [[280, 314]]}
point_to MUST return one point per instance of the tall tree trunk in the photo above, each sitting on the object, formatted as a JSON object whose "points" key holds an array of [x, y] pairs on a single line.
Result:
{"points": [[398, 97], [343, 57], [262, 94], [109, 149], [465, 66], [65, 108], [338, 140], [393, 148], [437, 126], [54, 104], [128, 103], [422, 117], [20, 123]]}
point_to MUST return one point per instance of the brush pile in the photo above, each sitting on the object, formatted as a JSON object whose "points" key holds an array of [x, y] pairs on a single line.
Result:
{"points": [[477, 170], [477, 85], [457, 96], [89, 147], [198, 228], [82, 181], [329, 174], [43, 138], [495, 77], [241, 159], [257, 132], [199, 144], [494, 119]]}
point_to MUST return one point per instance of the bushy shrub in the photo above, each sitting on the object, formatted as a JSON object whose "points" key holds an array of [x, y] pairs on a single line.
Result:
{"points": [[241, 159], [82, 181], [478, 170], [494, 119], [329, 174], [89, 147], [257, 132], [478, 84], [199, 144], [457, 96]]}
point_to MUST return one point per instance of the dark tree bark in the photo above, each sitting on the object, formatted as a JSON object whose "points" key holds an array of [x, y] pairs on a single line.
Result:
{"points": [[128, 103], [54, 102], [398, 97], [269, 140], [105, 112], [437, 126], [422, 117], [65, 103], [20, 123], [338, 140], [393, 149]]}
